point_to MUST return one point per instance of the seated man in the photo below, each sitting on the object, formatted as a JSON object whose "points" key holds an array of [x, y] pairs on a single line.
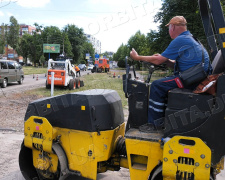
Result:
{"points": [[184, 50]]}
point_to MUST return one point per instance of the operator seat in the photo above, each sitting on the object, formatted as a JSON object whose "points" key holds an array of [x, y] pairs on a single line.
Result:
{"points": [[218, 63], [187, 110]]}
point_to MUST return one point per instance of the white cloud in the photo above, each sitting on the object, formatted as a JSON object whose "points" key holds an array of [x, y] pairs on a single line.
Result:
{"points": [[112, 29], [110, 2], [1, 13], [9, 14], [32, 3]]}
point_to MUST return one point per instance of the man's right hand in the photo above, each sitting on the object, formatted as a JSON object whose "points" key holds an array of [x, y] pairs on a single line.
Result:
{"points": [[134, 55]]}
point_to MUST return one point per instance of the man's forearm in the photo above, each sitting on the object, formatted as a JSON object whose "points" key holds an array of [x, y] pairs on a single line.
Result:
{"points": [[151, 59], [154, 59]]}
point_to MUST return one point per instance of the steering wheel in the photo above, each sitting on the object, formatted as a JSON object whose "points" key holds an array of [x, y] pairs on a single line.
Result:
{"points": [[150, 67]]}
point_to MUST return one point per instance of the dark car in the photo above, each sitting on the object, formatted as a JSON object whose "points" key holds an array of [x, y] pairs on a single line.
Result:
{"points": [[82, 67]]}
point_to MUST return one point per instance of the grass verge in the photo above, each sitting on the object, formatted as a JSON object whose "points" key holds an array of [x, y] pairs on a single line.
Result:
{"points": [[34, 70]]}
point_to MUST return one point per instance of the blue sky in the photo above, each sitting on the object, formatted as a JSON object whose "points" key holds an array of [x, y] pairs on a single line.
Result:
{"points": [[112, 22]]}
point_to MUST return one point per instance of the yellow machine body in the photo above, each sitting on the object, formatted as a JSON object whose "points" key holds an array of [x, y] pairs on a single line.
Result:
{"points": [[186, 157], [144, 153], [83, 149]]}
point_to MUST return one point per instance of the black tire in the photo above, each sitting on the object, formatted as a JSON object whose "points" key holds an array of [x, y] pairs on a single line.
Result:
{"points": [[100, 70], [72, 84], [21, 80], [77, 83], [157, 174], [47, 85], [26, 163], [27, 168], [81, 83], [4, 83]]}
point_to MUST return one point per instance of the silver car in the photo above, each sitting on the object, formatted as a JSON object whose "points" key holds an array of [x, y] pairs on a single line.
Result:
{"points": [[10, 71], [82, 67]]}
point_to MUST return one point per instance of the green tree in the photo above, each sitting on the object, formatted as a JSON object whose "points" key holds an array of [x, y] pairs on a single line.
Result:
{"points": [[121, 54], [88, 48], [139, 43], [24, 46], [36, 48], [67, 45], [2, 38], [42, 60], [170, 8], [52, 35], [151, 39], [13, 34], [77, 40]]}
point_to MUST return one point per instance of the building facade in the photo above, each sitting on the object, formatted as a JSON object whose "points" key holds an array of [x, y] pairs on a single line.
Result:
{"points": [[95, 42], [26, 29], [9, 53]]}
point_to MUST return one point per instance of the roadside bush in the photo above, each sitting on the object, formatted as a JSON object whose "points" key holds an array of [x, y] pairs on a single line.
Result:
{"points": [[121, 64], [83, 62]]}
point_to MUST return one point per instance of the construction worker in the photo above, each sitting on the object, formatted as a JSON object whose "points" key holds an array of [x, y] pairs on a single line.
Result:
{"points": [[184, 50], [77, 69]]}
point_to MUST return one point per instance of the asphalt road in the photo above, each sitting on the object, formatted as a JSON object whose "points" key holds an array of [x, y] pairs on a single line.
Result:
{"points": [[30, 82]]}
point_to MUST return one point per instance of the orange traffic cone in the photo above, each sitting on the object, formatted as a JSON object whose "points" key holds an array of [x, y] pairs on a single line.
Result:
{"points": [[114, 75], [37, 78]]}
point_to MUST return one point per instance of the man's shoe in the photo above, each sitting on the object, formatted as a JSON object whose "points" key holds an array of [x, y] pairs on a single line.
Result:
{"points": [[147, 128]]}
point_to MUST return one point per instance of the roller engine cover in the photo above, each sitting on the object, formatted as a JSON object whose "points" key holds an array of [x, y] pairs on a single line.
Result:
{"points": [[91, 110]]}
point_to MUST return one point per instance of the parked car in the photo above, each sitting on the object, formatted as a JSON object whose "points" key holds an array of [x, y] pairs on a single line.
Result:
{"points": [[10, 71], [90, 66], [82, 67], [22, 63]]}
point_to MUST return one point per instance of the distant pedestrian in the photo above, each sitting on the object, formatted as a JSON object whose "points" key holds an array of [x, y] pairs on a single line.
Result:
{"points": [[77, 69]]}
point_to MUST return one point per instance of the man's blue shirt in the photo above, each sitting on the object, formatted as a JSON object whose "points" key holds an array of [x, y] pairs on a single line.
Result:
{"points": [[186, 51]]}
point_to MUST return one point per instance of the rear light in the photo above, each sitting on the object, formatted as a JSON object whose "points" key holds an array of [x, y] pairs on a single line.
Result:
{"points": [[62, 73]]}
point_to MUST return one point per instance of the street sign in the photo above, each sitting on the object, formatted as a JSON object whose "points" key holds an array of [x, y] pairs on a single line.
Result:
{"points": [[96, 55], [10, 55], [87, 55], [51, 48]]}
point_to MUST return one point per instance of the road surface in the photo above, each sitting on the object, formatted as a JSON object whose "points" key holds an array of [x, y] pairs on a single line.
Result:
{"points": [[30, 82]]}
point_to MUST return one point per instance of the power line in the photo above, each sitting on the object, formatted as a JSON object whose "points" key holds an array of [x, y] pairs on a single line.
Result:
{"points": [[88, 12]]}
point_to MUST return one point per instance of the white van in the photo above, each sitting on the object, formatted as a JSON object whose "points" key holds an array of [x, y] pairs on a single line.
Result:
{"points": [[10, 71]]}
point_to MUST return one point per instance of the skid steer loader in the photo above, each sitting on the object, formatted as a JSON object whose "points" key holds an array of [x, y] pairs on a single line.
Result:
{"points": [[64, 74], [77, 135]]}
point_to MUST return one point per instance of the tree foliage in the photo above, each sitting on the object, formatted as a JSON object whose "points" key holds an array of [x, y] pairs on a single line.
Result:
{"points": [[36, 48], [13, 33], [157, 41], [139, 43], [3, 39], [88, 48], [121, 54], [72, 40], [24, 46], [77, 40], [170, 8]]}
